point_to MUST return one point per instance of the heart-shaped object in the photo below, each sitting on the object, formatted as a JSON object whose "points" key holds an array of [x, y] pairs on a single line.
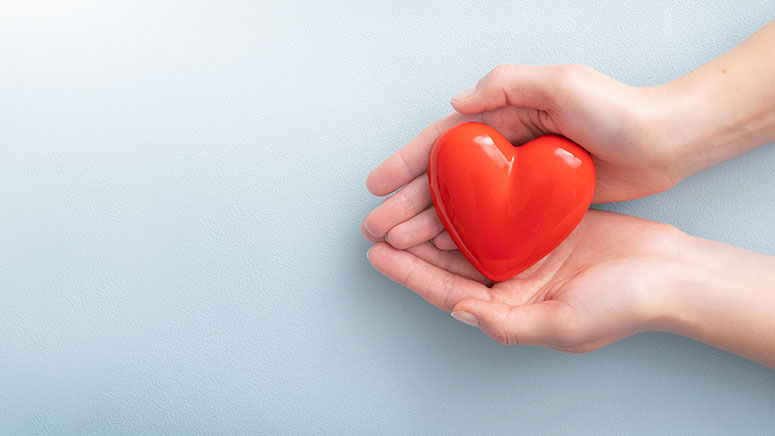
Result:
{"points": [[507, 207]]}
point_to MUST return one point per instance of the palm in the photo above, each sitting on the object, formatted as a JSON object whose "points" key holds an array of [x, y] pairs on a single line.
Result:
{"points": [[595, 288]]}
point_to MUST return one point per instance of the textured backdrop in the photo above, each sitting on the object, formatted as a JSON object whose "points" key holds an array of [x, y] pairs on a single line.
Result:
{"points": [[181, 187]]}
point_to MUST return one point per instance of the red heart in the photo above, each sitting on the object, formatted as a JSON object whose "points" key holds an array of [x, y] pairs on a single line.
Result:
{"points": [[507, 207]]}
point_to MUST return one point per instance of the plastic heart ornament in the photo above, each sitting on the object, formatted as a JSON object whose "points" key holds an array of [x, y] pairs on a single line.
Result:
{"points": [[505, 206]]}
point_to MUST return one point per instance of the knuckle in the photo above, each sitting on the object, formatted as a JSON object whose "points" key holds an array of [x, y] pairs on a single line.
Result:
{"points": [[568, 79], [408, 275], [429, 133], [503, 334], [672, 232], [572, 75], [499, 73], [445, 291], [502, 338], [566, 75], [572, 70], [405, 203]]}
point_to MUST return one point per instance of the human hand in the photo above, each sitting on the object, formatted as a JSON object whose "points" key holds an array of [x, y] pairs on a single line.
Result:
{"points": [[643, 139], [608, 280], [614, 275], [615, 122]]}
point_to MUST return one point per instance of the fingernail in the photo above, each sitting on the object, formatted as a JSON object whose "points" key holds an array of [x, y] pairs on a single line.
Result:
{"points": [[464, 93], [368, 253], [465, 318], [366, 226]]}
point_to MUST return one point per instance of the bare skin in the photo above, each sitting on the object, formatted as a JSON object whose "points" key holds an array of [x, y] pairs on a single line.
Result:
{"points": [[615, 275]]}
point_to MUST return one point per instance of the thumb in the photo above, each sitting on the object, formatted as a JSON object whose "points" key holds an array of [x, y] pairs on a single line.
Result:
{"points": [[530, 324], [537, 87]]}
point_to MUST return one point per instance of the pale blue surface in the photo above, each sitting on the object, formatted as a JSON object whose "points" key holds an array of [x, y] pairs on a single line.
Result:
{"points": [[181, 185]]}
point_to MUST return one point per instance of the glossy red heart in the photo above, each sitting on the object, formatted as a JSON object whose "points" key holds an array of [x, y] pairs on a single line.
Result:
{"points": [[507, 207]]}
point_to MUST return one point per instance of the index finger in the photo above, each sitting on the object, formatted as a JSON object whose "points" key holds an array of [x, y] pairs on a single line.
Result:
{"points": [[412, 159]]}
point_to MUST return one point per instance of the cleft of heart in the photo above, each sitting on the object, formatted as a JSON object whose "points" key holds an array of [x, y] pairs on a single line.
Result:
{"points": [[506, 206]]}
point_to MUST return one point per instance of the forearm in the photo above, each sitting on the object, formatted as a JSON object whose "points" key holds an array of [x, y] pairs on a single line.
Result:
{"points": [[723, 108], [725, 297]]}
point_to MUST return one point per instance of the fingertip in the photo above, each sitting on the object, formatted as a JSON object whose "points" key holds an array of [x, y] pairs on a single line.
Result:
{"points": [[490, 317], [465, 318], [475, 306], [383, 179], [464, 107], [378, 179], [370, 253], [464, 94], [465, 101], [389, 261], [461, 306], [371, 184], [377, 252], [367, 228], [368, 233], [487, 312]]}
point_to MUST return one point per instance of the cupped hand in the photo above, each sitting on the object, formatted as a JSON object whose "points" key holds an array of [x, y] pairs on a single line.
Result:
{"points": [[611, 278], [617, 123]]}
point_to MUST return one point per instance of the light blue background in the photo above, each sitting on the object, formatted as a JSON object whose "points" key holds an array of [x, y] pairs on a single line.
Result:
{"points": [[181, 185]]}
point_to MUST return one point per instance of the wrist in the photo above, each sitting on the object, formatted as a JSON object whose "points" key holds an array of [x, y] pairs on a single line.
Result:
{"points": [[686, 128], [684, 292], [710, 279], [670, 308], [723, 296], [714, 113]]}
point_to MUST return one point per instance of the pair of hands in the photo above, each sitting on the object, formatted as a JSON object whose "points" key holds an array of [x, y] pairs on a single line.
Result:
{"points": [[611, 277]]}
